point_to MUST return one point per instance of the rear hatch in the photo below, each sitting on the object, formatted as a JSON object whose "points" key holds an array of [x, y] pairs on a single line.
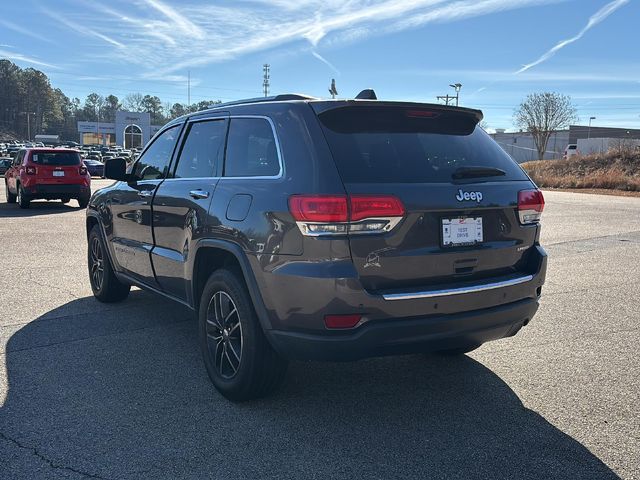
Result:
{"points": [[57, 167], [459, 190]]}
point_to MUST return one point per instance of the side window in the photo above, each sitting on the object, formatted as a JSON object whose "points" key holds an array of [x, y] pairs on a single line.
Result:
{"points": [[153, 164], [251, 149], [19, 157], [202, 149]]}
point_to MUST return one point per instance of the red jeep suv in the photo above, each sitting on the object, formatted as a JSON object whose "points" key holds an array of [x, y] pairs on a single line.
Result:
{"points": [[49, 174]]}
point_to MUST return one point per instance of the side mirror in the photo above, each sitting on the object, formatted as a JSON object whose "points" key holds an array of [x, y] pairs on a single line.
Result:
{"points": [[116, 169]]}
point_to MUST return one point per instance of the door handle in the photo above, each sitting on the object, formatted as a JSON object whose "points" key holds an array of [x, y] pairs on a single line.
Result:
{"points": [[145, 193], [199, 194]]}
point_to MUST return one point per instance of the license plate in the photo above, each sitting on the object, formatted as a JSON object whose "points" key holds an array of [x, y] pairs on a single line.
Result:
{"points": [[461, 231], [58, 173]]}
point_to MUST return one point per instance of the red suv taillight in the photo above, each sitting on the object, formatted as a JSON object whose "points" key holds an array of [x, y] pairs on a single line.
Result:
{"points": [[30, 170], [83, 170], [530, 206], [340, 214]]}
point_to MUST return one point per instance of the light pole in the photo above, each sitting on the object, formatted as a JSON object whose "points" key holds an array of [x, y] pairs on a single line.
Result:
{"points": [[589, 130], [28, 114], [456, 87]]}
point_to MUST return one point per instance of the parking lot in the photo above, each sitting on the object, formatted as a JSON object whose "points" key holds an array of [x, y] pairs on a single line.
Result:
{"points": [[120, 391]]}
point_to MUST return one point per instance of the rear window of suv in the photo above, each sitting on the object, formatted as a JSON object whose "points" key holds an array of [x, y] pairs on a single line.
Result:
{"points": [[55, 158], [410, 145]]}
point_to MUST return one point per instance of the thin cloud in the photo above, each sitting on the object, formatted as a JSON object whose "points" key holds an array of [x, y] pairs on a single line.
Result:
{"points": [[89, 32], [23, 31], [26, 59], [325, 61], [595, 19]]}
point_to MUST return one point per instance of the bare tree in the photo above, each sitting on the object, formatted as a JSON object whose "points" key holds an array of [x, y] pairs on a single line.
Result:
{"points": [[541, 114], [134, 102]]}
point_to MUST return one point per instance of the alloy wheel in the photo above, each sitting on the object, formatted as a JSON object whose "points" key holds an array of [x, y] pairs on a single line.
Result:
{"points": [[224, 334], [97, 263]]}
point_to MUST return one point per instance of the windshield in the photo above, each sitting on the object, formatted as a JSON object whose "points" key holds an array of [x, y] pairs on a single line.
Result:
{"points": [[392, 145]]}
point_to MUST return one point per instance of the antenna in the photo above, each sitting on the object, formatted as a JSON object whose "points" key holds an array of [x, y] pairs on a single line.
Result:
{"points": [[265, 81], [332, 88]]}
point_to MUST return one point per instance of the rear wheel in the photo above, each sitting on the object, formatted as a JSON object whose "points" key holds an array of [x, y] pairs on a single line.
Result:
{"points": [[23, 200], [239, 360], [83, 201], [11, 197], [105, 285]]}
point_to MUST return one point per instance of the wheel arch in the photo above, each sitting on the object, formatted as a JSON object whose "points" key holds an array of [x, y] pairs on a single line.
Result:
{"points": [[212, 255]]}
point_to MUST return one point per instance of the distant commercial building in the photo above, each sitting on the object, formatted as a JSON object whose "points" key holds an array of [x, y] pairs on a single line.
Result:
{"points": [[131, 129], [521, 147]]}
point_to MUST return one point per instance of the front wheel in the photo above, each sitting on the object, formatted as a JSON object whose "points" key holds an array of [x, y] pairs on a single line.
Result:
{"points": [[240, 361], [105, 285]]}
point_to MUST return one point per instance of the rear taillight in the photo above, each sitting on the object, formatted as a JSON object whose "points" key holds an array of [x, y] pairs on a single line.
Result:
{"points": [[530, 206], [83, 170], [340, 214], [30, 170]]}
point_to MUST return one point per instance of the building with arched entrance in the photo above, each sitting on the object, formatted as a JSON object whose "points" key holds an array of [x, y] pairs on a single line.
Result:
{"points": [[130, 130]]}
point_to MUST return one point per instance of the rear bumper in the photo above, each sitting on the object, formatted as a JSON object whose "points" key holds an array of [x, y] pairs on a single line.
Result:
{"points": [[58, 191], [297, 296], [413, 335]]}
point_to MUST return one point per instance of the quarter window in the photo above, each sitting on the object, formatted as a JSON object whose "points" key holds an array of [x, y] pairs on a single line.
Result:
{"points": [[202, 149], [251, 149], [154, 162]]}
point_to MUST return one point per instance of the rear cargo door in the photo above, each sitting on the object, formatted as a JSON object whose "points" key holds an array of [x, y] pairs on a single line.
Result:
{"points": [[56, 167], [458, 187]]}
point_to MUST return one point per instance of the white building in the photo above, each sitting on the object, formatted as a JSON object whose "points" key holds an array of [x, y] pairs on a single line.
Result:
{"points": [[131, 129]]}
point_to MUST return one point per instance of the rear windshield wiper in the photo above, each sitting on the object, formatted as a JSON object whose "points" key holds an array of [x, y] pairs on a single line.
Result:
{"points": [[472, 172]]}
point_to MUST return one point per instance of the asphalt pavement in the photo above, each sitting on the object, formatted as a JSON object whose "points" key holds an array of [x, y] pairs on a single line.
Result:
{"points": [[89, 390]]}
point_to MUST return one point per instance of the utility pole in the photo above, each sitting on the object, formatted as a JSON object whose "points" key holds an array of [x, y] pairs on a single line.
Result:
{"points": [[265, 79], [189, 88], [447, 97]]}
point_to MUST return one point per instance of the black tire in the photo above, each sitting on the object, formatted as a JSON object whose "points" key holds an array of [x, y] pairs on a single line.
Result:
{"points": [[11, 197], [23, 200], [65, 200], [256, 369], [105, 285], [459, 351], [83, 202]]}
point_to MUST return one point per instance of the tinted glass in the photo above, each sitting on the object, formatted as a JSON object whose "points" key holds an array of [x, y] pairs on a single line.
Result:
{"points": [[154, 163], [251, 149], [409, 145], [55, 158], [202, 149]]}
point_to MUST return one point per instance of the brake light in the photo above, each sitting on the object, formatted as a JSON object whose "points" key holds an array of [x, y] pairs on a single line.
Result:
{"points": [[83, 170], [530, 206], [421, 114], [30, 170], [365, 206], [319, 208], [339, 214]]}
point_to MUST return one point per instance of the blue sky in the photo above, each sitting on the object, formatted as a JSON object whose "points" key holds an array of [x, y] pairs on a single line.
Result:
{"points": [[499, 50]]}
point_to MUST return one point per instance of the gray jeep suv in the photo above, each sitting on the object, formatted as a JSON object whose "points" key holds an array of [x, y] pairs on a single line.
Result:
{"points": [[299, 228]]}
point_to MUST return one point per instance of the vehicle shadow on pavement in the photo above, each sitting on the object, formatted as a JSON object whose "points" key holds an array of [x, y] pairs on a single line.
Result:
{"points": [[37, 208], [120, 391]]}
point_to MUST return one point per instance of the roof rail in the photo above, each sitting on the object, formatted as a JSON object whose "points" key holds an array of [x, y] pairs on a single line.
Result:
{"points": [[275, 98]]}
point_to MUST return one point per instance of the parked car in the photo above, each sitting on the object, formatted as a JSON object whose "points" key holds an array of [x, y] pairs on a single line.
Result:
{"points": [[94, 167], [5, 163], [570, 151], [298, 228], [45, 173]]}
